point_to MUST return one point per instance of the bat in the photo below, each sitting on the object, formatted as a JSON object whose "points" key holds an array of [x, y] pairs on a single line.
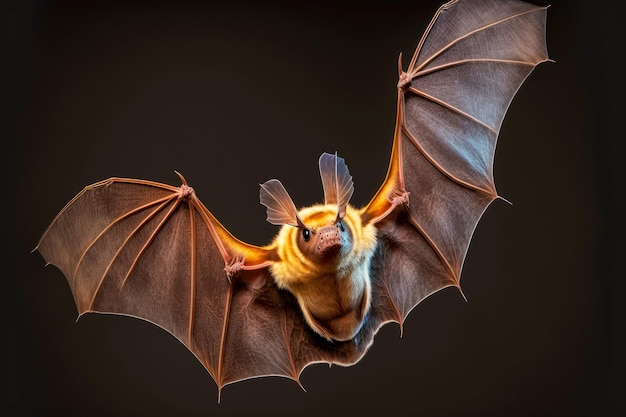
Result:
{"points": [[334, 273]]}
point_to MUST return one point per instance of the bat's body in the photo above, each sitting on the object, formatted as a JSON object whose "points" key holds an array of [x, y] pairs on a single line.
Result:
{"points": [[332, 283], [334, 273], [334, 294]]}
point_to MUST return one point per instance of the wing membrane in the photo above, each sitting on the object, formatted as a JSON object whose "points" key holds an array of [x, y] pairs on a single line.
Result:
{"points": [[451, 103]]}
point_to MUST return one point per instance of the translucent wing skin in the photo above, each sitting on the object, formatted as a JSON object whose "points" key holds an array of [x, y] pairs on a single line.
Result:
{"points": [[451, 102], [154, 251]]}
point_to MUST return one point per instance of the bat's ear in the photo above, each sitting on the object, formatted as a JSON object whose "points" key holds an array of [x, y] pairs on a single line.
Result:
{"points": [[337, 182], [280, 207]]}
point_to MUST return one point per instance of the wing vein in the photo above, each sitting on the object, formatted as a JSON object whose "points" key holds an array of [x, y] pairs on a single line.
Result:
{"points": [[391, 299], [220, 359], [292, 364], [441, 169], [467, 35], [428, 29], [452, 108], [192, 283], [140, 181], [113, 223], [438, 252], [148, 242], [207, 218], [119, 250], [447, 65], [103, 183]]}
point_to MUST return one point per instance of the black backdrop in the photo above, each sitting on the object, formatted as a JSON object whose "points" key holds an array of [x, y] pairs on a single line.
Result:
{"points": [[232, 95]]}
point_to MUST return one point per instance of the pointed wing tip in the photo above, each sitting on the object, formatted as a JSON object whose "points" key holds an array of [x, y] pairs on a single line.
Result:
{"points": [[297, 380], [499, 197], [458, 287], [401, 325], [293, 377]]}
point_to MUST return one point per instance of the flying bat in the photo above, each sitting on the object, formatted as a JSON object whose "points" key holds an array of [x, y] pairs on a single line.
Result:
{"points": [[334, 273]]}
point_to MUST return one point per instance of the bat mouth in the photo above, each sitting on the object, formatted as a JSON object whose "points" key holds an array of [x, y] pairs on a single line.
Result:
{"points": [[330, 251]]}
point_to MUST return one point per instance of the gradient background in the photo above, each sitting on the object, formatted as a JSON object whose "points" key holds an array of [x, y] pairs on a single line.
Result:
{"points": [[232, 95]]}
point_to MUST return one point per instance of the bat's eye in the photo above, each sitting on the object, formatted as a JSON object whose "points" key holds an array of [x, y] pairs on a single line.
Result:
{"points": [[306, 234], [342, 226]]}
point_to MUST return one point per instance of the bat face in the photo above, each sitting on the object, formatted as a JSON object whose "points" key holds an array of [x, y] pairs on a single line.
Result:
{"points": [[324, 239]]}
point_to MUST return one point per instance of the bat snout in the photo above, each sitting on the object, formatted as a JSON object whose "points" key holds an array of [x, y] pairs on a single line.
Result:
{"points": [[329, 240]]}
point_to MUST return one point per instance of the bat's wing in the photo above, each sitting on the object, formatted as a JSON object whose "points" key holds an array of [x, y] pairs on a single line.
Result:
{"points": [[451, 103], [154, 251]]}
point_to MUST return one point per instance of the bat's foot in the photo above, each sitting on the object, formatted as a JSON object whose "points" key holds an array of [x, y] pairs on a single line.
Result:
{"points": [[400, 198], [234, 267]]}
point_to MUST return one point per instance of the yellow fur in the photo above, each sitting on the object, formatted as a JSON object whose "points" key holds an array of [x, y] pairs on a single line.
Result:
{"points": [[335, 293]]}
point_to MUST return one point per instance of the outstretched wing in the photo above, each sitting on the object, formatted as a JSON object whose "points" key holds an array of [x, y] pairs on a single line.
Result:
{"points": [[153, 251], [451, 102]]}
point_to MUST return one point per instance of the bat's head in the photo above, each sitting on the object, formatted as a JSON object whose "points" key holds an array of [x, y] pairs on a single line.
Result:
{"points": [[321, 235]]}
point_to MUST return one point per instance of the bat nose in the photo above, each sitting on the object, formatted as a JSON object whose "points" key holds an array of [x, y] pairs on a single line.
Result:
{"points": [[329, 233], [329, 240]]}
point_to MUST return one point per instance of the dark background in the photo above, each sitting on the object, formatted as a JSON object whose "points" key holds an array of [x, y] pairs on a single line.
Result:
{"points": [[232, 95]]}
